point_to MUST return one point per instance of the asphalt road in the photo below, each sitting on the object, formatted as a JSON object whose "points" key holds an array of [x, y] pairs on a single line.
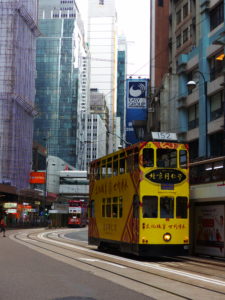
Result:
{"points": [[29, 275]]}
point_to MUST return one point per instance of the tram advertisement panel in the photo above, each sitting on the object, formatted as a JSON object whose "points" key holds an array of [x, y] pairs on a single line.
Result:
{"points": [[209, 234]]}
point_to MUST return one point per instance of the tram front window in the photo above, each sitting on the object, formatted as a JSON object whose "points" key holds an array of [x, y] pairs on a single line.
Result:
{"points": [[150, 207], [148, 157], [183, 159], [181, 207], [167, 158], [166, 207]]}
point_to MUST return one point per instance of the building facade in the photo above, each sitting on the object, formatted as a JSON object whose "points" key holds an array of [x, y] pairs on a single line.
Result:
{"points": [[196, 60], [201, 112], [102, 39], [159, 66], [18, 33]]}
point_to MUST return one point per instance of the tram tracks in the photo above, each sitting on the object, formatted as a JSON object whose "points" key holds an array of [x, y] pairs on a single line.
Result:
{"points": [[155, 278], [203, 266]]}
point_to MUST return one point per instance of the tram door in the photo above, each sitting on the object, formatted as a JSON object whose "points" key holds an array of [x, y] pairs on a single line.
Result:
{"points": [[135, 232]]}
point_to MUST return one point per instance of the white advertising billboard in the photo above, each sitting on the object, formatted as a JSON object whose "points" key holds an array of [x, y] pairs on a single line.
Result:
{"points": [[209, 230]]}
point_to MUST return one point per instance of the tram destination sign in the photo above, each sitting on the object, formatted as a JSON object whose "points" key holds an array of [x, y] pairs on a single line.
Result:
{"points": [[166, 176]]}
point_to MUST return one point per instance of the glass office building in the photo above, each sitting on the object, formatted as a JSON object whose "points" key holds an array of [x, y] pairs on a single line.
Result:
{"points": [[58, 79]]}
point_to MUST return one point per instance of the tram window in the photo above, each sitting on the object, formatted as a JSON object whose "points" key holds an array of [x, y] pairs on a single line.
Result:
{"points": [[97, 170], [130, 161], [136, 206], [109, 168], [166, 207], [120, 207], [182, 207], [108, 208], [122, 165], [167, 158], [92, 209], [103, 207], [148, 157], [91, 172], [115, 208], [122, 155], [115, 165], [103, 169], [183, 159], [150, 206]]}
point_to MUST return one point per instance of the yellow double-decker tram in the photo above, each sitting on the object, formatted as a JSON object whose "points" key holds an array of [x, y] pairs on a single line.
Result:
{"points": [[139, 198]]}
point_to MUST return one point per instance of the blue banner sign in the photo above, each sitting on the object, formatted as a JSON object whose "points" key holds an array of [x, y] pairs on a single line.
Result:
{"points": [[136, 106]]}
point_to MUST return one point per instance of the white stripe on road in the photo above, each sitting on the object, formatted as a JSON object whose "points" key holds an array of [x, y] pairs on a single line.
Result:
{"points": [[149, 265], [101, 261]]}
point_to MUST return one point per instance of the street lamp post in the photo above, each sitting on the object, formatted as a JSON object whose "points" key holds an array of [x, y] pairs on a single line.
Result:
{"points": [[192, 84], [46, 180]]}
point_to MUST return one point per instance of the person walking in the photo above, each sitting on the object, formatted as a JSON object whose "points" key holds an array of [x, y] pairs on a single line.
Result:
{"points": [[3, 225]]}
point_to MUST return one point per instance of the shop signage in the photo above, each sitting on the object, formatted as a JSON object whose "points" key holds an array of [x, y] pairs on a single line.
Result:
{"points": [[9, 205], [37, 177], [11, 211]]}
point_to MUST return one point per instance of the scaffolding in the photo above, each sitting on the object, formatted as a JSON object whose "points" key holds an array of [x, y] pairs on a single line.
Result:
{"points": [[18, 32]]}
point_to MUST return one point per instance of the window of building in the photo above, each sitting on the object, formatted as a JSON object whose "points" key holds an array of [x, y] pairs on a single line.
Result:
{"points": [[185, 10], [216, 144], [216, 105], [178, 17], [193, 116], [193, 149], [178, 41], [185, 35], [217, 15], [216, 67], [160, 3]]}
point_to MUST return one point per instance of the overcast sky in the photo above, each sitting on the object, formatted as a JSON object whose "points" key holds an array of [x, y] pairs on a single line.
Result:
{"points": [[133, 22]]}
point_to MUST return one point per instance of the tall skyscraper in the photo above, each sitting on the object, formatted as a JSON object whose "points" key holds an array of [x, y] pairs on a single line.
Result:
{"points": [[59, 84], [18, 32], [102, 38]]}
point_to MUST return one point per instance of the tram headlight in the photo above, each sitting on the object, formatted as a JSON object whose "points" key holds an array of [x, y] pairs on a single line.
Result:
{"points": [[186, 240], [167, 237]]}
